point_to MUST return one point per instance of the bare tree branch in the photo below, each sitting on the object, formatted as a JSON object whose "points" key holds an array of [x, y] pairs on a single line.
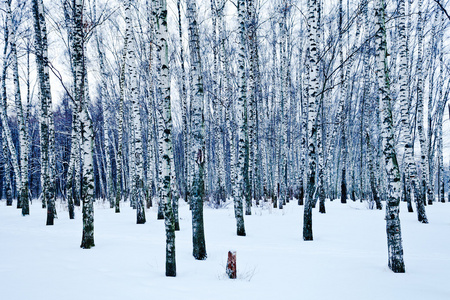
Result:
{"points": [[442, 8]]}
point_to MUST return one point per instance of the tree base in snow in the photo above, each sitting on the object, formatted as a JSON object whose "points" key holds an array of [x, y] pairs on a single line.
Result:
{"points": [[397, 267], [87, 243], [241, 232]]}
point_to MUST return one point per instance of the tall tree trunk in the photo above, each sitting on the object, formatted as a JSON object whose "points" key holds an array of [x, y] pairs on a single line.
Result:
{"points": [[320, 154], [136, 154], [393, 230], [184, 107], [304, 127], [406, 138], [219, 194], [9, 145], [106, 109], [23, 199], [368, 112], [41, 49], [86, 126], [442, 99], [241, 116], [73, 170], [252, 101], [343, 109], [120, 184], [7, 182], [284, 72], [314, 78], [424, 149], [164, 86], [198, 135]]}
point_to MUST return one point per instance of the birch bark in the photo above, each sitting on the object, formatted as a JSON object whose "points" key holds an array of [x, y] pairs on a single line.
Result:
{"points": [[313, 89], [41, 47], [406, 139], [393, 230], [197, 133], [167, 150], [23, 199], [86, 126]]}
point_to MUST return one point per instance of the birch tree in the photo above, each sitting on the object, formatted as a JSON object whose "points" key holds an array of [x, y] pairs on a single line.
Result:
{"points": [[342, 108], [7, 168], [313, 89], [8, 141], [41, 48], [424, 150], [73, 173], [241, 116], [106, 109], [284, 72], [393, 230], [160, 7], [23, 199], [197, 132], [86, 126], [253, 87], [120, 184], [368, 112], [184, 107], [138, 174], [220, 193], [410, 166]]}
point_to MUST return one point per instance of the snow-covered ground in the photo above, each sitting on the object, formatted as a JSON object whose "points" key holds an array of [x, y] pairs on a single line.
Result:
{"points": [[346, 260]]}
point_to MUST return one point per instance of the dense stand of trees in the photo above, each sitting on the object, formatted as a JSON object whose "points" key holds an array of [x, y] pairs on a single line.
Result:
{"points": [[215, 100]]}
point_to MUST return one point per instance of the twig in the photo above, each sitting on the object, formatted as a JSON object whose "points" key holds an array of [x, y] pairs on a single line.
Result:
{"points": [[442, 8]]}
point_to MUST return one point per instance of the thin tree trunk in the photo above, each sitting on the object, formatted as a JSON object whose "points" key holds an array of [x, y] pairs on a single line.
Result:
{"points": [[184, 112], [241, 116], [9, 145], [283, 106], [120, 184], [252, 45], [424, 149], [7, 183], [106, 109], [23, 199]]}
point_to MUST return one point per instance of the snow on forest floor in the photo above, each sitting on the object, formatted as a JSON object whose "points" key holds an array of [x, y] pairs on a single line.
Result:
{"points": [[346, 260]]}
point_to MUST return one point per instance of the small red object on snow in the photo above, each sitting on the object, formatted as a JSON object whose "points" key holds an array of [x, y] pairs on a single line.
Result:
{"points": [[231, 264]]}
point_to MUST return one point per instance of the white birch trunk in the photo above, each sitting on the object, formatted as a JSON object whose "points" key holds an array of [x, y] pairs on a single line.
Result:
{"points": [[405, 136], [41, 48], [166, 166], [23, 199], [283, 107], [241, 115], [184, 107], [197, 150], [86, 126], [7, 182], [395, 248], [424, 162], [314, 83], [136, 153], [106, 109]]}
